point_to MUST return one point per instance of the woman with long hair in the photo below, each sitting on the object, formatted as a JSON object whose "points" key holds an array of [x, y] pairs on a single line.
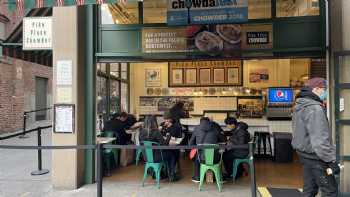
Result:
{"points": [[150, 132]]}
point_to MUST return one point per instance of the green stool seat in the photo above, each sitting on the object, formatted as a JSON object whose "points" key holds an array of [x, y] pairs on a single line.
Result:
{"points": [[109, 155], [150, 164], [236, 163], [248, 160], [209, 164], [138, 156]]}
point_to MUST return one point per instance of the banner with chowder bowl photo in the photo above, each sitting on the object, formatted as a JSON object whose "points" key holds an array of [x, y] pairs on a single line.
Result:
{"points": [[215, 40]]}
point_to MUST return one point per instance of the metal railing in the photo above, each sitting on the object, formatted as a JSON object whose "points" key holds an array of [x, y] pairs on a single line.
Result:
{"points": [[99, 151], [25, 115]]}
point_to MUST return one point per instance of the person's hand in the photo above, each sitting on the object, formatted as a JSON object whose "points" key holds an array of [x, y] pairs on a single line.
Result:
{"points": [[334, 166]]}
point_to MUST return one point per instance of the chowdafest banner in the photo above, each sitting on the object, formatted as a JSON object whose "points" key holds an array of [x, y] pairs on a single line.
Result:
{"points": [[186, 12]]}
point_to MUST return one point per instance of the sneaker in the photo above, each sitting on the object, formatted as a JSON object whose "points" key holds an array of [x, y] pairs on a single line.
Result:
{"points": [[195, 179]]}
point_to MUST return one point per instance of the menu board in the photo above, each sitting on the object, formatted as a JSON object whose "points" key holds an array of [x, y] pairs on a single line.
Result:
{"points": [[64, 118], [205, 73]]}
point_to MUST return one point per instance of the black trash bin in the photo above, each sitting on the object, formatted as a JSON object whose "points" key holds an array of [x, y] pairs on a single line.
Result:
{"points": [[283, 147]]}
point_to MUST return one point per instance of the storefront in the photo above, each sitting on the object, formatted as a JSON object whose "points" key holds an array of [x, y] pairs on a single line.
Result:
{"points": [[217, 70], [142, 65]]}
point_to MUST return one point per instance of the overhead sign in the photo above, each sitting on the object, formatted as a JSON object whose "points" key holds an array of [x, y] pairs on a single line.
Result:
{"points": [[185, 12], [257, 36], [37, 33]]}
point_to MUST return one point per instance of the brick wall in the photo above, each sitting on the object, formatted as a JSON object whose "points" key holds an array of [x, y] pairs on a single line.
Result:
{"points": [[17, 91]]}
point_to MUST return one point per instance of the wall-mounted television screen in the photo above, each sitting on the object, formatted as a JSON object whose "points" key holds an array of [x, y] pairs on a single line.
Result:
{"points": [[280, 95]]}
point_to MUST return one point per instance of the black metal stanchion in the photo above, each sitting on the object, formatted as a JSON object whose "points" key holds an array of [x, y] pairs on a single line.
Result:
{"points": [[99, 170], [252, 169], [24, 126], [40, 171]]}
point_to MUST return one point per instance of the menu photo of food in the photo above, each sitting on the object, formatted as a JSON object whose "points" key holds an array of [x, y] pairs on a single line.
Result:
{"points": [[259, 76], [214, 39]]}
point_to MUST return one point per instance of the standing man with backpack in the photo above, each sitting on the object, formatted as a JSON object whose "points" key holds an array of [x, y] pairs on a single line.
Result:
{"points": [[312, 139]]}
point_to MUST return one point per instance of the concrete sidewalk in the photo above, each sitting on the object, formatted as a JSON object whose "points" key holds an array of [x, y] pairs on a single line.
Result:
{"points": [[16, 181]]}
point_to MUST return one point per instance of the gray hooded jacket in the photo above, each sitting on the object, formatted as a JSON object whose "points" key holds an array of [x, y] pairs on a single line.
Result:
{"points": [[312, 137]]}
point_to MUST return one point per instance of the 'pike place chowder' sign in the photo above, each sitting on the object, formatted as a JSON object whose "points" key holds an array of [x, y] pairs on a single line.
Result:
{"points": [[185, 12], [37, 33]]}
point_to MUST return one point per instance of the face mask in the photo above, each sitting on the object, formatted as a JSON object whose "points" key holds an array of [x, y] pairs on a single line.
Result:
{"points": [[324, 95]]}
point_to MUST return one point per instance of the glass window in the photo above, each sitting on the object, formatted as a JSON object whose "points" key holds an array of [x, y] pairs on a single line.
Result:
{"points": [[120, 13], [124, 71], [259, 9], [114, 69], [154, 11], [101, 67], [124, 97], [293, 8], [114, 91], [101, 95]]}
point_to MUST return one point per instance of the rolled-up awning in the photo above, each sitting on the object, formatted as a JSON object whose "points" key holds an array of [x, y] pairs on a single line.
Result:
{"points": [[21, 5]]}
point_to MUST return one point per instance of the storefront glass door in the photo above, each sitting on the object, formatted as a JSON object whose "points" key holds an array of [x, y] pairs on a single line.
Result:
{"points": [[342, 116]]}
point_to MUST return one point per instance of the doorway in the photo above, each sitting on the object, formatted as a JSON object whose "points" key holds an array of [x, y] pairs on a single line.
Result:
{"points": [[342, 115], [40, 97]]}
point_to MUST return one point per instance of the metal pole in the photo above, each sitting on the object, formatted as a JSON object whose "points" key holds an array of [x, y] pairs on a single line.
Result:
{"points": [[40, 171], [24, 126], [99, 170], [252, 169]]}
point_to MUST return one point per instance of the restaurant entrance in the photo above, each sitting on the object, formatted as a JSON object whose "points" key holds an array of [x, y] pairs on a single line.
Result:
{"points": [[217, 71], [215, 89]]}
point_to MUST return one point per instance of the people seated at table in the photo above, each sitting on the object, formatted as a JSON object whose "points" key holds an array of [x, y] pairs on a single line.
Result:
{"points": [[205, 133], [171, 126], [118, 124], [150, 132], [177, 111], [240, 136]]}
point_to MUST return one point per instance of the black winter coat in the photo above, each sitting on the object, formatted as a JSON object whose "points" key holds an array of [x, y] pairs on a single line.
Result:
{"points": [[207, 133], [240, 136], [153, 136]]}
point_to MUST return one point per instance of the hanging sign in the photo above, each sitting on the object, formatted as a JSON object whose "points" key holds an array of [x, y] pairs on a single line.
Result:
{"points": [[37, 33], [185, 12]]}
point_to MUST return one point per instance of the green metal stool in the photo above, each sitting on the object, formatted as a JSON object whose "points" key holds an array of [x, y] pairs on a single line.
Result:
{"points": [[150, 164], [248, 160], [236, 163], [138, 156], [209, 154], [110, 155]]}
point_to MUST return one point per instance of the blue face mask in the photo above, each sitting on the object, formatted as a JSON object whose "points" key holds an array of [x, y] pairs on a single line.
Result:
{"points": [[324, 95]]}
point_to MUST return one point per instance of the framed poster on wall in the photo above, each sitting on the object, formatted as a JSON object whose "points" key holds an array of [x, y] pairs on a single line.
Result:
{"points": [[233, 76], [152, 76], [176, 76], [204, 76], [219, 76], [191, 76]]}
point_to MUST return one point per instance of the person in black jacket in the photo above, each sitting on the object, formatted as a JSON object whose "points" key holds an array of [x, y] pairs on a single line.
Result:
{"points": [[118, 125], [177, 112], [240, 136], [205, 133], [171, 126], [150, 132]]}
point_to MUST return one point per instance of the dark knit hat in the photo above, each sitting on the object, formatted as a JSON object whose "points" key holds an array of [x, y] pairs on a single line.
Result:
{"points": [[231, 121], [317, 82]]}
